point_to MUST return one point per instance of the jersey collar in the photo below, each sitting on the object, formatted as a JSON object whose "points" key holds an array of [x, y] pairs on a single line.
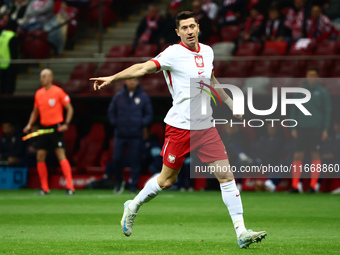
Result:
{"points": [[199, 47]]}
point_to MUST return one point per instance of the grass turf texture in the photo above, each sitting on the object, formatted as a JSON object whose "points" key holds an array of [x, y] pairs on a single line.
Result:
{"points": [[173, 223]]}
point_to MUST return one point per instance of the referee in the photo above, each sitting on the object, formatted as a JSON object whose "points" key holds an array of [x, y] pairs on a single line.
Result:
{"points": [[49, 103]]}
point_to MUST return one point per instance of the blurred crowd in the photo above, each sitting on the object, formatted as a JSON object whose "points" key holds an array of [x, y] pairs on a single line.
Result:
{"points": [[257, 20]]}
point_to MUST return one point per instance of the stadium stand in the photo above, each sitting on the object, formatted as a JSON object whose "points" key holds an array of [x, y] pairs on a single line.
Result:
{"points": [[230, 33]]}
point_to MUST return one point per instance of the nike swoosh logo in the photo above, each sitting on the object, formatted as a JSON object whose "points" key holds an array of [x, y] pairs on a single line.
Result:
{"points": [[200, 72], [238, 195], [124, 226]]}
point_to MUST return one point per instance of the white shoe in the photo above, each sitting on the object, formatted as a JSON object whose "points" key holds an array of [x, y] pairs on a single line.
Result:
{"points": [[336, 191], [300, 188], [128, 219], [249, 236]]}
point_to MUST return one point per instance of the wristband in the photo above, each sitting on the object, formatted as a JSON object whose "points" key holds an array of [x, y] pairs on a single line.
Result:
{"points": [[229, 102]]}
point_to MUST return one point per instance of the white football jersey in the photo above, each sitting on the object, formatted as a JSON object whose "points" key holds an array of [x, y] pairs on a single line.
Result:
{"points": [[179, 65]]}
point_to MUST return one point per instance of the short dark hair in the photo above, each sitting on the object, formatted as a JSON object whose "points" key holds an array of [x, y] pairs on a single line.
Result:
{"points": [[313, 68], [184, 15]]}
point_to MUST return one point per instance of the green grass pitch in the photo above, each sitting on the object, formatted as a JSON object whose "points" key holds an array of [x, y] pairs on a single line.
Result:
{"points": [[173, 223]]}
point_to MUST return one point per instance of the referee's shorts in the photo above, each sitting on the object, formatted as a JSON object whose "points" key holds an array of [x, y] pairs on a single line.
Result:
{"points": [[53, 140]]}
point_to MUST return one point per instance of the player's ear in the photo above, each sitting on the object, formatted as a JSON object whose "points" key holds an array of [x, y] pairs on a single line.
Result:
{"points": [[177, 32], [198, 26]]}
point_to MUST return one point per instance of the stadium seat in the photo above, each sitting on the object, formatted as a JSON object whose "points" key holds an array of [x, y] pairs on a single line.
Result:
{"points": [[35, 45], [90, 148], [286, 68], [230, 33], [83, 71], [238, 69], [108, 16], [324, 66], [213, 39], [120, 51], [248, 49], [299, 52], [220, 68], [264, 68], [77, 86], [300, 65], [110, 68], [147, 50], [335, 70], [280, 47], [154, 86], [223, 49], [328, 48]]}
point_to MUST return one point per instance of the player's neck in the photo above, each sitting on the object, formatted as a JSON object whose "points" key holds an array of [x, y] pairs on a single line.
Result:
{"points": [[191, 47]]}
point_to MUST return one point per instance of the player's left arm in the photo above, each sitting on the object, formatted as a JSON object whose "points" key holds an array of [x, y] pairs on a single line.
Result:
{"points": [[68, 118], [223, 95]]}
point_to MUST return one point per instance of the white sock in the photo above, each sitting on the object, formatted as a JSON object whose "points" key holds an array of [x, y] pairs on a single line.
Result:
{"points": [[269, 183], [232, 199], [150, 190]]}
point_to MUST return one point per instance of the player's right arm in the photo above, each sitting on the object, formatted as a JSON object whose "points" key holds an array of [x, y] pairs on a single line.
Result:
{"points": [[133, 71], [33, 118]]}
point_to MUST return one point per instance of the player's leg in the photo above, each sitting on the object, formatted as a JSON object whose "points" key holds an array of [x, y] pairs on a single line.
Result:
{"points": [[232, 199], [66, 169], [42, 171], [174, 151], [158, 182]]}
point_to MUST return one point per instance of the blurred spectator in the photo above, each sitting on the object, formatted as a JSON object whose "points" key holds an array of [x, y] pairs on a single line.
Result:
{"points": [[9, 51], [168, 33], [273, 28], [11, 146], [295, 20], [4, 14], [231, 12], [320, 27], [203, 20], [311, 130], [18, 11], [333, 11], [40, 15], [130, 113], [210, 8], [149, 31], [252, 25]]}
